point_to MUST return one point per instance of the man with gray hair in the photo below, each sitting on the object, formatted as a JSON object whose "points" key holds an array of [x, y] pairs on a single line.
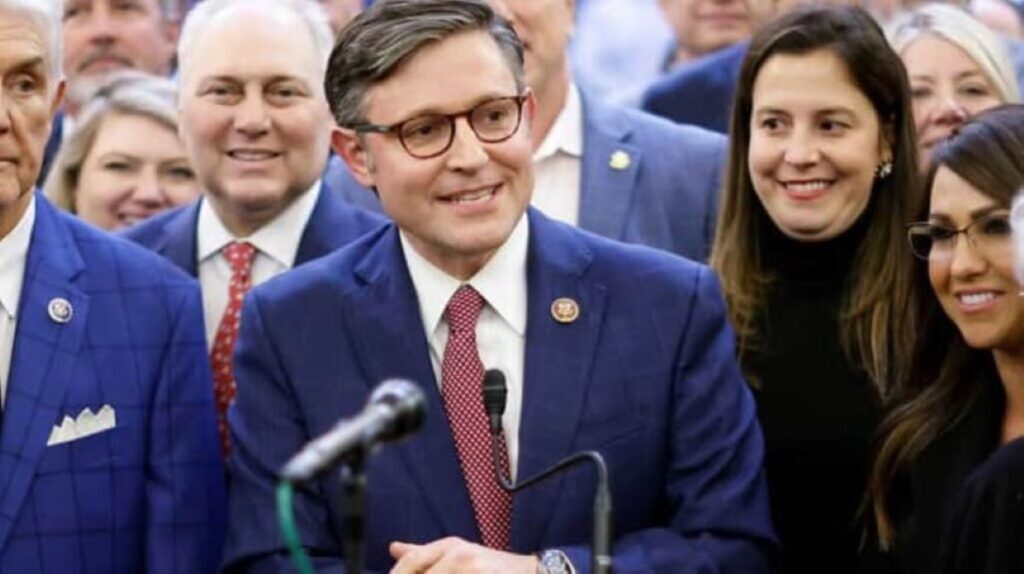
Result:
{"points": [[621, 349], [108, 450], [256, 127]]}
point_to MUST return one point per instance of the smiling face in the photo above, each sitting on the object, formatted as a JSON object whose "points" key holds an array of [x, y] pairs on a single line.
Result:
{"points": [[254, 118], [135, 169], [457, 208], [703, 26], [28, 101], [947, 87], [815, 144], [976, 287]]}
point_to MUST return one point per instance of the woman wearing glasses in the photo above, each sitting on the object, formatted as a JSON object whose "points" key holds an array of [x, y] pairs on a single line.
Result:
{"points": [[809, 250], [963, 399]]}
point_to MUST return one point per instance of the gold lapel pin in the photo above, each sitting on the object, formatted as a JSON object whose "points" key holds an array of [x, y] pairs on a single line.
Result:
{"points": [[60, 310], [565, 310], [620, 160]]}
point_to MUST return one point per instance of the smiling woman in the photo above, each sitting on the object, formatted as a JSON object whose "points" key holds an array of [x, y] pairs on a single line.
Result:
{"points": [[124, 162], [822, 173], [964, 397]]}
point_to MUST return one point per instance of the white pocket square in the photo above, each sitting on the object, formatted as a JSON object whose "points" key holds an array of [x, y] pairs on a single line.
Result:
{"points": [[87, 424]]}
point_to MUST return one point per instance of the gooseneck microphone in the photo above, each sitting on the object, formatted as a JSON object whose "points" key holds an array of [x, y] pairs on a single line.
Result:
{"points": [[395, 410], [495, 394]]}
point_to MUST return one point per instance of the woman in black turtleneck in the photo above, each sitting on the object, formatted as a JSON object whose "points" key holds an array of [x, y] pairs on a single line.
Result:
{"points": [[811, 255]]}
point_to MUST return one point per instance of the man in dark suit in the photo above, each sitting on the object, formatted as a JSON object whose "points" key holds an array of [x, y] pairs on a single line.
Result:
{"points": [[256, 127], [607, 169], [108, 451], [621, 349]]}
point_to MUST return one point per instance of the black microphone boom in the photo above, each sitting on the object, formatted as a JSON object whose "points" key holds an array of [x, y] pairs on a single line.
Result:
{"points": [[395, 410], [495, 394]]}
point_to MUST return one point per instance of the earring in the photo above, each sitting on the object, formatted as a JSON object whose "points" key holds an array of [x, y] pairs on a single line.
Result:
{"points": [[884, 169]]}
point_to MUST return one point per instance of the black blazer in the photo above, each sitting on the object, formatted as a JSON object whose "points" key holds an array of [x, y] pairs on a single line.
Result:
{"points": [[953, 495]]}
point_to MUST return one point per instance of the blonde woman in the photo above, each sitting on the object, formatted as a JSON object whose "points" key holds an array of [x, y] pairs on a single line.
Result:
{"points": [[957, 67], [123, 162]]}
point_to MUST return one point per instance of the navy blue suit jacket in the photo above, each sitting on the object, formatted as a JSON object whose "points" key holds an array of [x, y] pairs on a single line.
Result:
{"points": [[646, 376], [666, 197], [699, 93], [332, 224], [148, 494]]}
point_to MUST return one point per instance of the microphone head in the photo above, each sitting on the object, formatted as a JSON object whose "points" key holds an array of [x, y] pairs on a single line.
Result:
{"points": [[407, 402], [495, 392]]}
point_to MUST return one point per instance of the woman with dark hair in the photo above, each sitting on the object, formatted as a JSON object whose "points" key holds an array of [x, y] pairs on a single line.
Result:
{"points": [[810, 250], [964, 394]]}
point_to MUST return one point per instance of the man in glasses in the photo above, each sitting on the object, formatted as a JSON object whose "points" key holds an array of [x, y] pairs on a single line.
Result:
{"points": [[620, 349]]}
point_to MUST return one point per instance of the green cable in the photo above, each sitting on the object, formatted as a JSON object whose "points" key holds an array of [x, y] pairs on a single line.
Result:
{"points": [[286, 516]]}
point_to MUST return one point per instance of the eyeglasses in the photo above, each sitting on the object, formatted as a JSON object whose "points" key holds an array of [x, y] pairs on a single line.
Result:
{"points": [[430, 135], [988, 235]]}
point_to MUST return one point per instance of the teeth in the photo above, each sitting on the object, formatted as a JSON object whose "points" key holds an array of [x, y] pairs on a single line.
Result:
{"points": [[251, 155], [807, 186], [473, 196], [976, 298]]}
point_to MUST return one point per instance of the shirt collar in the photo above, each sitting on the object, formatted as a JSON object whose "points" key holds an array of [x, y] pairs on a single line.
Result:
{"points": [[501, 282], [279, 239], [566, 134], [13, 255]]}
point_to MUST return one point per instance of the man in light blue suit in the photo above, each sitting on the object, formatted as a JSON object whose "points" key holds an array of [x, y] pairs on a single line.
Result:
{"points": [[610, 170], [108, 453], [622, 349]]}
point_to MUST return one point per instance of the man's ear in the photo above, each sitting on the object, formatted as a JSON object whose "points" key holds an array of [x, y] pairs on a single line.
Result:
{"points": [[58, 98], [351, 149]]}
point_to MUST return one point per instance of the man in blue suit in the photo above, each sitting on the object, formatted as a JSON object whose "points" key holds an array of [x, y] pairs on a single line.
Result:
{"points": [[605, 346], [256, 127], [606, 169], [108, 451]]}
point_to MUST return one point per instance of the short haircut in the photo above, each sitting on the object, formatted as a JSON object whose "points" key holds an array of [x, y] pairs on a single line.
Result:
{"points": [[309, 12], [128, 92], [959, 28], [48, 15], [379, 40]]}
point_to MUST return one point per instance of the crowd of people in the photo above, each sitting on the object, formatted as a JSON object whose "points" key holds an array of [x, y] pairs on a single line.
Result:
{"points": [[758, 254]]}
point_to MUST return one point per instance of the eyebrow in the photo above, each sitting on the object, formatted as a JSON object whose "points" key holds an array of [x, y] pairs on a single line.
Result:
{"points": [[974, 215], [433, 110], [959, 76]]}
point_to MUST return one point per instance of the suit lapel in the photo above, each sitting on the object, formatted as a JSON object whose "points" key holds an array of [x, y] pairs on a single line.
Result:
{"points": [[391, 343], [44, 358], [609, 171], [318, 237], [179, 242], [557, 368]]}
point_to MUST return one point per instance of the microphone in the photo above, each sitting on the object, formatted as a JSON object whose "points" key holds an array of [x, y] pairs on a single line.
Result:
{"points": [[395, 410], [495, 394]]}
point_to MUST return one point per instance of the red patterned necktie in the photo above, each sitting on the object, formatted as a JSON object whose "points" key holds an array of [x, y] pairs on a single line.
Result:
{"points": [[462, 376], [239, 255]]}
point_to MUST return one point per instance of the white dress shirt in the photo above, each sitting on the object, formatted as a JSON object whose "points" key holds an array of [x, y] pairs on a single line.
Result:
{"points": [[13, 257], [501, 328], [276, 244], [557, 164]]}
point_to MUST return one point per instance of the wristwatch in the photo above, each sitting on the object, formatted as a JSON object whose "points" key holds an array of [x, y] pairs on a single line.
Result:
{"points": [[554, 562]]}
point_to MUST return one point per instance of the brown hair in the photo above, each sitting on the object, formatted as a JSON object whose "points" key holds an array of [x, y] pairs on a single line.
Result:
{"points": [[872, 320], [944, 373]]}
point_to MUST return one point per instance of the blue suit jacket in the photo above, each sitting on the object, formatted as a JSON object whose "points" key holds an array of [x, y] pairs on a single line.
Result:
{"points": [[646, 375], [699, 93], [667, 197], [147, 495], [332, 224]]}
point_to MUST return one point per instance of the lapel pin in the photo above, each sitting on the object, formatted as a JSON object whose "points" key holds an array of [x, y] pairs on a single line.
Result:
{"points": [[60, 310], [565, 310], [620, 160]]}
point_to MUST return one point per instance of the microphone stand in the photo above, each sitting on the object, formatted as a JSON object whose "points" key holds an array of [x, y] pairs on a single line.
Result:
{"points": [[353, 503], [601, 551]]}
